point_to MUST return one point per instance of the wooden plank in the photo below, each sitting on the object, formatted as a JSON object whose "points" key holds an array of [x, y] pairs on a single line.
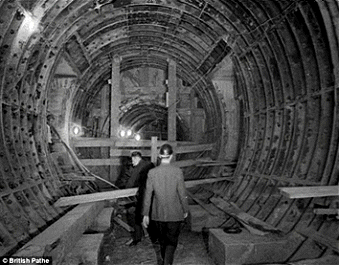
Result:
{"points": [[216, 164], [98, 196], [115, 97], [172, 101], [310, 192], [127, 152], [203, 205], [192, 183], [194, 148], [154, 150], [92, 142], [109, 195], [72, 176], [254, 225], [60, 237], [123, 224], [101, 162], [318, 237], [326, 211], [102, 142], [117, 162]]}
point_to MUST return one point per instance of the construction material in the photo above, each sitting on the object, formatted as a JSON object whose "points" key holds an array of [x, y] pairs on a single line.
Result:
{"points": [[246, 248], [93, 197], [102, 222], [326, 211], [115, 194], [254, 225], [77, 160], [60, 237], [202, 205], [310, 192], [201, 218], [86, 250], [123, 224], [192, 183]]}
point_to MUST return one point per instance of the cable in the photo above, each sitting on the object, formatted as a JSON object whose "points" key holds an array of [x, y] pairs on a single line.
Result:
{"points": [[78, 162]]}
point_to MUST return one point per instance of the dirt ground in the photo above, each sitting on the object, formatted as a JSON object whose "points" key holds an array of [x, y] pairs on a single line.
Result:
{"points": [[192, 249]]}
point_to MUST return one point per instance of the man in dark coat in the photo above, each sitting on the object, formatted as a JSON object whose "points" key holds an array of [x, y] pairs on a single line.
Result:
{"points": [[137, 178]]}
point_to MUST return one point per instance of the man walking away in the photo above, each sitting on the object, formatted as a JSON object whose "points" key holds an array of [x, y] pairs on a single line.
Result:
{"points": [[165, 203]]}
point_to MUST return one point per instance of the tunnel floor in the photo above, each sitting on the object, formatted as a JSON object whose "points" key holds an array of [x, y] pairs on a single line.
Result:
{"points": [[192, 249]]}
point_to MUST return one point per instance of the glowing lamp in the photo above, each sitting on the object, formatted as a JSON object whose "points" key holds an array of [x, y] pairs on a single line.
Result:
{"points": [[76, 130], [122, 133], [137, 137]]}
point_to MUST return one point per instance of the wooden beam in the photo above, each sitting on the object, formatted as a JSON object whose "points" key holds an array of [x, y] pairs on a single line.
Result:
{"points": [[203, 205], [326, 211], [94, 197], [192, 183], [60, 237], [106, 142], [101, 162], [310, 192], [154, 150], [172, 101], [123, 224], [254, 225], [216, 163], [73, 176], [117, 162], [109, 195], [194, 148], [115, 97], [318, 237], [127, 152], [185, 163]]}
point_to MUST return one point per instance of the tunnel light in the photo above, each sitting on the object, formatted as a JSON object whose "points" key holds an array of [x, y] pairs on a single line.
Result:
{"points": [[76, 130], [137, 137], [122, 133], [129, 132], [31, 23]]}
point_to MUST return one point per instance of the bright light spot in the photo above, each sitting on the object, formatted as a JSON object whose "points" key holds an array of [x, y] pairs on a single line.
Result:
{"points": [[129, 132], [122, 133], [76, 130], [137, 137], [30, 23]]}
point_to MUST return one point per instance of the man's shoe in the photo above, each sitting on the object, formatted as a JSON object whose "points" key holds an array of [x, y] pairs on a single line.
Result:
{"points": [[134, 243], [129, 242]]}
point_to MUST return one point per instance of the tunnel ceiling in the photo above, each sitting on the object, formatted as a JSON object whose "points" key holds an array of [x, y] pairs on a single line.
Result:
{"points": [[285, 63]]}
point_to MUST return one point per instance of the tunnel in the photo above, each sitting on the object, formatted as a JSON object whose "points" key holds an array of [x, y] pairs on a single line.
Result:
{"points": [[258, 80]]}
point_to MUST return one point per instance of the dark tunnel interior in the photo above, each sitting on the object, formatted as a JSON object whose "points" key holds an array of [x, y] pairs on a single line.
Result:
{"points": [[256, 82]]}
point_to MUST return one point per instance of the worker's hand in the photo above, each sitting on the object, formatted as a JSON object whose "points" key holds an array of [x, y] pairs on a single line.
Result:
{"points": [[145, 221], [185, 215]]}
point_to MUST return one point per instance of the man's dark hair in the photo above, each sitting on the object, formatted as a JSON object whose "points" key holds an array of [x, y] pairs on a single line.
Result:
{"points": [[135, 153]]}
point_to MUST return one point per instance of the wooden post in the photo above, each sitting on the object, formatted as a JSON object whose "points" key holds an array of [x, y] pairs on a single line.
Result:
{"points": [[172, 98], [193, 106], [115, 97], [154, 150], [104, 110], [104, 107], [114, 114]]}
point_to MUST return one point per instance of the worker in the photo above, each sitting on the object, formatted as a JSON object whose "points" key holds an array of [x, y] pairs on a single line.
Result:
{"points": [[165, 203], [137, 178]]}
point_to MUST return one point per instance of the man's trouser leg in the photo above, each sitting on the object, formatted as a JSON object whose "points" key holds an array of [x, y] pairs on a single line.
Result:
{"points": [[154, 237], [168, 239]]}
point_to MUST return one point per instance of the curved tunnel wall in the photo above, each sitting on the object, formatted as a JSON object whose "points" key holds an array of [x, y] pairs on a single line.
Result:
{"points": [[286, 72]]}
